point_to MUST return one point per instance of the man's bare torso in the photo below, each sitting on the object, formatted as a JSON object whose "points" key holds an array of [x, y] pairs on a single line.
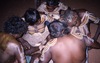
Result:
{"points": [[8, 46], [68, 49]]}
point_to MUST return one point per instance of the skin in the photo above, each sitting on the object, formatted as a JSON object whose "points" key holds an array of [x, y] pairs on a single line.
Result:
{"points": [[81, 13], [71, 50], [76, 22], [95, 45], [10, 49]]}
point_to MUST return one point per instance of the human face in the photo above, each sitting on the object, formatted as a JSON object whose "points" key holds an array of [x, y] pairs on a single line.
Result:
{"points": [[51, 8], [73, 20]]}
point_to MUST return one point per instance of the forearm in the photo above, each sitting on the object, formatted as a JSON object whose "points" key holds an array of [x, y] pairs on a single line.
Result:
{"points": [[95, 45], [21, 40], [31, 50], [24, 43], [20, 54]]}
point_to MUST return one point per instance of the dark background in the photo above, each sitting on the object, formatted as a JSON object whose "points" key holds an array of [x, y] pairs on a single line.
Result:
{"points": [[9, 8]]}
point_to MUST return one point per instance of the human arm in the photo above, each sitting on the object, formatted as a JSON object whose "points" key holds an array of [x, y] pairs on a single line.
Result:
{"points": [[45, 57], [31, 50], [20, 55], [16, 50], [24, 43], [95, 45]]}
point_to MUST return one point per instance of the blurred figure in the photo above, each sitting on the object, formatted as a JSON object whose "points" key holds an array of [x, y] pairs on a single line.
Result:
{"points": [[77, 21], [51, 9], [36, 35], [64, 49], [11, 49]]}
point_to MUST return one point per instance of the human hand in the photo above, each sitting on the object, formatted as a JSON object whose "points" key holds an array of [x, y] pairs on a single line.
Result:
{"points": [[24, 43]]}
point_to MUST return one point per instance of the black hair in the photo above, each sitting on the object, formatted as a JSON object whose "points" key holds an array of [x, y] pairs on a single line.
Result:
{"points": [[52, 2], [15, 25], [31, 16], [56, 28], [63, 13], [68, 15]]}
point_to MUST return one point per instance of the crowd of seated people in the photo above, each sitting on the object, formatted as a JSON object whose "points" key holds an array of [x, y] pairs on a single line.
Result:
{"points": [[53, 31]]}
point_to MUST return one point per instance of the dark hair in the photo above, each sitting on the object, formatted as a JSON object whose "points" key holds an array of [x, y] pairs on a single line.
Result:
{"points": [[15, 25], [52, 2], [55, 28], [68, 15], [31, 16]]}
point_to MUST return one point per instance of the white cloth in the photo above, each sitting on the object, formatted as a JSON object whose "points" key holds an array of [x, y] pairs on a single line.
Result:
{"points": [[36, 38], [82, 30], [50, 16]]}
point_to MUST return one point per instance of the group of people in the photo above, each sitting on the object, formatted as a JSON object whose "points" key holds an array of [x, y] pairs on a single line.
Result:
{"points": [[52, 32]]}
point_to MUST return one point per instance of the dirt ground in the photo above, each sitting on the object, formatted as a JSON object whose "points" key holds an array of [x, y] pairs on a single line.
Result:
{"points": [[9, 8]]}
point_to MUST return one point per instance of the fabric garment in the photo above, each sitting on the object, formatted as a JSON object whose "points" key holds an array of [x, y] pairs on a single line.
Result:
{"points": [[28, 58], [50, 43], [85, 19], [83, 29], [50, 16], [36, 39]]}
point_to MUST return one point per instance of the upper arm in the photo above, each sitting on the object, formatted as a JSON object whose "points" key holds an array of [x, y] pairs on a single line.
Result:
{"points": [[45, 57], [17, 50]]}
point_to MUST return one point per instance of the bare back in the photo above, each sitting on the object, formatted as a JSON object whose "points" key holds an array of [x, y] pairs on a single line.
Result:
{"points": [[10, 49], [67, 49]]}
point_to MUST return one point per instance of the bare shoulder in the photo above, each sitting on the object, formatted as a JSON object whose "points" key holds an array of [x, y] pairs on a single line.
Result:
{"points": [[7, 40]]}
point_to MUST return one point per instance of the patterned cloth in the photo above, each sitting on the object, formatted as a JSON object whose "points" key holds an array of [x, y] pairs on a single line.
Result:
{"points": [[50, 16], [36, 39], [83, 29], [47, 46]]}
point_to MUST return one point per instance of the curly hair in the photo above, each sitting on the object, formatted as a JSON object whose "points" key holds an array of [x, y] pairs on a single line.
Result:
{"points": [[15, 25], [32, 16]]}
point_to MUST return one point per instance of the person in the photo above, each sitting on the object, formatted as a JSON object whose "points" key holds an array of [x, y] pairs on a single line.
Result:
{"points": [[36, 30], [66, 48], [10, 48], [51, 9], [77, 21], [56, 29], [91, 18]]}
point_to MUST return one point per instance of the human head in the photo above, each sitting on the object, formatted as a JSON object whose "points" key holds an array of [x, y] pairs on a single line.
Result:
{"points": [[15, 25], [71, 17], [56, 28], [32, 16], [51, 4]]}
